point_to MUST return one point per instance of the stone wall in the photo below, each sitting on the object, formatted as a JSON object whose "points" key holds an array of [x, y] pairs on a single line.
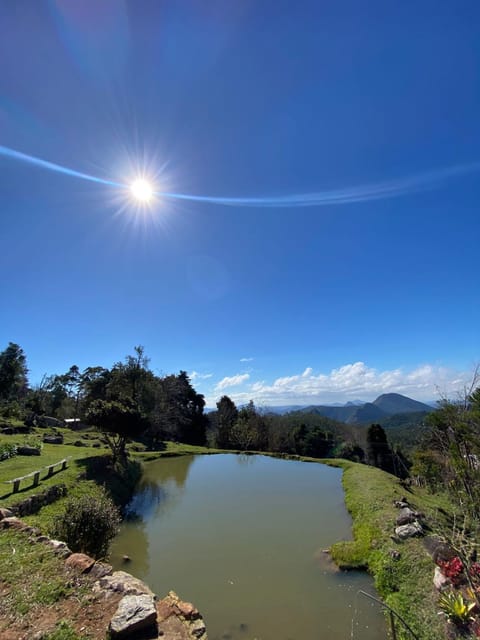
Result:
{"points": [[34, 503], [139, 613]]}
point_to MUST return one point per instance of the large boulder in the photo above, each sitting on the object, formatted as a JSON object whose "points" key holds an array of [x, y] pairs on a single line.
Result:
{"points": [[406, 516], [80, 562], [28, 451], [48, 421], [54, 439], [133, 615], [179, 620], [409, 530], [123, 582]]}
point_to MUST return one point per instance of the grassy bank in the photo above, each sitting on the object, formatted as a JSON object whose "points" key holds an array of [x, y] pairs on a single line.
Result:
{"points": [[404, 583]]}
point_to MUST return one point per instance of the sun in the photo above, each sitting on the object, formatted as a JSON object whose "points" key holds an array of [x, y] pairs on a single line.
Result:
{"points": [[141, 190]]}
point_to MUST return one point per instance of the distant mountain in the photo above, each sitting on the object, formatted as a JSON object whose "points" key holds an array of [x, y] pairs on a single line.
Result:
{"points": [[280, 410], [350, 414], [391, 403], [379, 410]]}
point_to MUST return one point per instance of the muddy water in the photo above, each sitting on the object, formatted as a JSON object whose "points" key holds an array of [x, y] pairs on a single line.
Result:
{"points": [[242, 537]]}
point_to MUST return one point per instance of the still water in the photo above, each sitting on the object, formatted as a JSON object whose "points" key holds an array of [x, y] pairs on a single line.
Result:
{"points": [[242, 537]]}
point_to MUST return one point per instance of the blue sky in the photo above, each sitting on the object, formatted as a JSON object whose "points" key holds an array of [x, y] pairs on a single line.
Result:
{"points": [[244, 99]]}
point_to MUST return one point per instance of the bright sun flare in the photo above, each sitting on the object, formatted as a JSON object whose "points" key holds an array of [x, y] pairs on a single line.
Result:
{"points": [[141, 190]]}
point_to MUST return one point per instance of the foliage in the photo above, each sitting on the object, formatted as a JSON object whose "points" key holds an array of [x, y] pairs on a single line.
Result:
{"points": [[226, 417], [454, 438], [453, 605], [13, 379], [118, 421], [178, 411], [7, 450], [379, 453], [88, 525]]}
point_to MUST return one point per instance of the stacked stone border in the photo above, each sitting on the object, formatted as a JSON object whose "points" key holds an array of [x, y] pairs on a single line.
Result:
{"points": [[139, 612]]}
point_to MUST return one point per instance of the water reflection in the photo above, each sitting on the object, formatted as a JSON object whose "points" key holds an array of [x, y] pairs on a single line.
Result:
{"points": [[160, 487], [239, 536]]}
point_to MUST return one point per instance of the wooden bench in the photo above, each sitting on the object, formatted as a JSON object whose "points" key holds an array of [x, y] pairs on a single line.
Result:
{"points": [[36, 474]]}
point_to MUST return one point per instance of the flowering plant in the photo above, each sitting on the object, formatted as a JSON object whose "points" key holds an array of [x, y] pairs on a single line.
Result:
{"points": [[452, 569]]}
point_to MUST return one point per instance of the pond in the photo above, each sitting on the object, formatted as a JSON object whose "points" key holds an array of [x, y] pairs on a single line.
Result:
{"points": [[243, 538]]}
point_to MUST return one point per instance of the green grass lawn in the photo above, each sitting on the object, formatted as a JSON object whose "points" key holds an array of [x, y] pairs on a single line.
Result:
{"points": [[405, 584], [17, 466]]}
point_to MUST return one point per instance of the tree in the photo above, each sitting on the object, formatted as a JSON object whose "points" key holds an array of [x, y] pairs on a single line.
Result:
{"points": [[378, 451], [454, 434], [13, 374], [178, 411], [226, 416], [119, 421], [250, 430]]}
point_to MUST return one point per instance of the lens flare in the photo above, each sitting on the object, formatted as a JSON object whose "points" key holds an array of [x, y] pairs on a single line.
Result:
{"points": [[141, 190]]}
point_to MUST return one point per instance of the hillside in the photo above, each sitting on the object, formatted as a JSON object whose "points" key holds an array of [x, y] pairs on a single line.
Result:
{"points": [[392, 403], [379, 410]]}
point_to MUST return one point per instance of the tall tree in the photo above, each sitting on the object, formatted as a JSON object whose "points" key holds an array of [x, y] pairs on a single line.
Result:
{"points": [[13, 374], [226, 417], [378, 452]]}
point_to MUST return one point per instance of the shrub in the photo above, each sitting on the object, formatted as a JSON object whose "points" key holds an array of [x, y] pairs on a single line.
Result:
{"points": [[88, 524], [7, 450]]}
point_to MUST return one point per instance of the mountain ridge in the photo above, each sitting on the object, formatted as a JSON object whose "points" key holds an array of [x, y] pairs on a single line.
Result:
{"points": [[387, 404]]}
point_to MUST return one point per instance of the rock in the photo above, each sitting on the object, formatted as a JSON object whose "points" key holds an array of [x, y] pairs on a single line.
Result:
{"points": [[400, 504], [60, 547], [28, 451], [406, 516], [80, 562], [48, 421], [12, 523], [394, 554], [197, 628], [53, 439], [440, 581], [101, 569], [134, 613], [409, 530], [5, 513], [439, 550], [42, 538], [123, 582], [126, 558], [187, 610]]}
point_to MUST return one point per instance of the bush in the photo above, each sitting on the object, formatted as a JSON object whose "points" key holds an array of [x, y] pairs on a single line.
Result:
{"points": [[7, 450], [88, 524]]}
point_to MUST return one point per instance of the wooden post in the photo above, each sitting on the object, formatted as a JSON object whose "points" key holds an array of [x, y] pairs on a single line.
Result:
{"points": [[36, 478], [16, 485], [392, 626], [64, 464], [50, 471]]}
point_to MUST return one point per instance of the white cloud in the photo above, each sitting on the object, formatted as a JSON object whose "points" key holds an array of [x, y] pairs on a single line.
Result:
{"points": [[194, 375], [232, 381], [348, 382], [246, 359]]}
